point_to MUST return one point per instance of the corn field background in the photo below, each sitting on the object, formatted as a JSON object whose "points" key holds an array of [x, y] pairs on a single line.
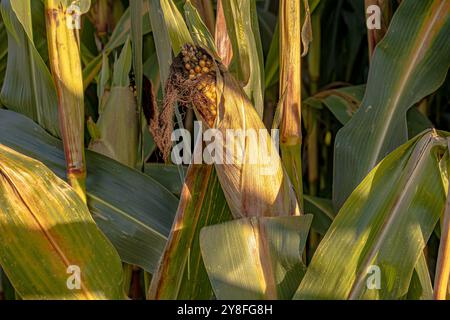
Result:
{"points": [[356, 205]]}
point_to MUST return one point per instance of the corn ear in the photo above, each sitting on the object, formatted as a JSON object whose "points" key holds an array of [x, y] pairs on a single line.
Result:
{"points": [[64, 54], [253, 188]]}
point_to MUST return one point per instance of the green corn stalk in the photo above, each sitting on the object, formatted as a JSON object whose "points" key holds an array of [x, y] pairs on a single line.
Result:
{"points": [[290, 93], [65, 63]]}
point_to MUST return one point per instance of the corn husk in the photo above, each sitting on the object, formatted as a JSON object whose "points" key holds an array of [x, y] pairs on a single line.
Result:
{"points": [[252, 188]]}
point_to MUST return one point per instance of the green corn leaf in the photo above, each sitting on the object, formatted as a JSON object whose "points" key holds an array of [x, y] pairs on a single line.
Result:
{"points": [[137, 222], [322, 210], [181, 273], [118, 38], [47, 233], [161, 37], [122, 66], [344, 102], [123, 29], [165, 174], [409, 63], [28, 86], [198, 29], [118, 127], [383, 226], [177, 29]]}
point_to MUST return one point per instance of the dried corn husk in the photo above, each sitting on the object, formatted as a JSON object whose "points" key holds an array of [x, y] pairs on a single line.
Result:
{"points": [[261, 189]]}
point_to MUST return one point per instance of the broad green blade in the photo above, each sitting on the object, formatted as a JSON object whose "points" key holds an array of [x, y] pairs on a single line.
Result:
{"points": [[344, 102], [123, 29], [91, 70], [420, 287], [118, 128], [381, 230], [409, 63], [247, 64], [122, 66], [161, 38], [200, 33], [118, 38], [28, 86], [181, 273], [322, 210], [48, 238], [255, 258], [133, 210], [116, 133], [165, 174]]}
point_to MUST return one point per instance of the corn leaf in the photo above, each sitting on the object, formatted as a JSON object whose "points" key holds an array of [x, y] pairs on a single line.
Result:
{"points": [[118, 38], [161, 35], [118, 128], [177, 29], [200, 33], [322, 210], [384, 224], [181, 273], [408, 64], [137, 222], [28, 87], [45, 230], [165, 174], [344, 102], [255, 258], [123, 28]]}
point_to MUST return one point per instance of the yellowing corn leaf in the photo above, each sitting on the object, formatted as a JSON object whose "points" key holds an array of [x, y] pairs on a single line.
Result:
{"points": [[50, 247], [28, 86], [181, 273]]}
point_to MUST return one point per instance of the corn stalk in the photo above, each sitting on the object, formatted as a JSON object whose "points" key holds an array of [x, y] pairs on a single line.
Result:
{"points": [[64, 54]]}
